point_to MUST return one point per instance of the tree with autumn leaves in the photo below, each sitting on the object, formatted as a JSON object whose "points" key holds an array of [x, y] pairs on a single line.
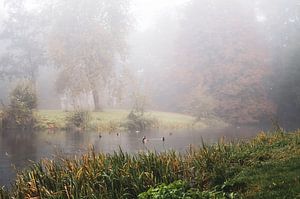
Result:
{"points": [[83, 40], [220, 64], [227, 60], [87, 39]]}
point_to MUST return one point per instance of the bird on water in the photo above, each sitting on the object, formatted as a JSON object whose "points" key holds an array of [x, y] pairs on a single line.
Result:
{"points": [[144, 140]]}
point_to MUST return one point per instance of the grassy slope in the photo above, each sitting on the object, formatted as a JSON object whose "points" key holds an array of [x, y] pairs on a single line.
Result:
{"points": [[275, 179], [276, 174], [112, 118], [265, 167]]}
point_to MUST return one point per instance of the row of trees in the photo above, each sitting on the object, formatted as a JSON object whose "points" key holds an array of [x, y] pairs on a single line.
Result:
{"points": [[237, 60]]}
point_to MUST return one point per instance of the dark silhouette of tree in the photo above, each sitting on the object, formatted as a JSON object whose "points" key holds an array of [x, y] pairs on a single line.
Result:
{"points": [[281, 28]]}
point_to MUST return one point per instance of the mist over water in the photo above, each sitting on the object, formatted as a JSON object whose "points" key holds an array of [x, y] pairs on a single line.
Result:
{"points": [[17, 149]]}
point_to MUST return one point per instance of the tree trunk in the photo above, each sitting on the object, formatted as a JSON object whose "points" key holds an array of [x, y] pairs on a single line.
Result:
{"points": [[96, 100]]}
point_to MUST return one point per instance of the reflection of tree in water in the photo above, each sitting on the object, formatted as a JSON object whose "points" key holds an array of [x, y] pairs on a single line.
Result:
{"points": [[17, 147], [20, 146]]}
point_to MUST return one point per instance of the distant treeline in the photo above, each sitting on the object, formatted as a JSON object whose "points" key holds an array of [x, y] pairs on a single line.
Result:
{"points": [[234, 59]]}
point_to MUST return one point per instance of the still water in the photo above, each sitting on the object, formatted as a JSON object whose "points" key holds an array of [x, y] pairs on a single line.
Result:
{"points": [[17, 148]]}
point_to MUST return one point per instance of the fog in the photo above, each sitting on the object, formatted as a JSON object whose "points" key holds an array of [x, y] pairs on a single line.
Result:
{"points": [[234, 60]]}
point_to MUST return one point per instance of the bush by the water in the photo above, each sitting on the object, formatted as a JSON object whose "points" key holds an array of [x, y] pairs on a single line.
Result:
{"points": [[265, 167], [137, 120], [78, 119], [140, 121], [19, 113]]}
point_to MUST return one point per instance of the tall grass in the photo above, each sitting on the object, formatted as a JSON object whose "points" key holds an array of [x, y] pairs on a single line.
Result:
{"points": [[121, 175]]}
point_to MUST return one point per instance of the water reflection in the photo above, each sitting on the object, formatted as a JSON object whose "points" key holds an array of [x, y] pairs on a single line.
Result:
{"points": [[16, 148]]}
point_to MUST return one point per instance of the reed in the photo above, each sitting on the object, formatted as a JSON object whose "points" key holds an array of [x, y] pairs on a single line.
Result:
{"points": [[120, 175]]}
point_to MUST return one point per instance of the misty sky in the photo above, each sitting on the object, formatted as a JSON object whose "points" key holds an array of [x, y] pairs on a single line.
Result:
{"points": [[1, 10], [146, 11]]}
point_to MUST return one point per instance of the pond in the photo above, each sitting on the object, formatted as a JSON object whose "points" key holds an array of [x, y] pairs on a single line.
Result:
{"points": [[17, 148]]}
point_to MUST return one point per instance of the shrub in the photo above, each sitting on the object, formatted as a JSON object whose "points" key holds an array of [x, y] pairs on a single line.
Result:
{"points": [[24, 95], [19, 113], [136, 121], [78, 119]]}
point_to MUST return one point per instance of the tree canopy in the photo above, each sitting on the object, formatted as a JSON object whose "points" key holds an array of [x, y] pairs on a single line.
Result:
{"points": [[87, 39]]}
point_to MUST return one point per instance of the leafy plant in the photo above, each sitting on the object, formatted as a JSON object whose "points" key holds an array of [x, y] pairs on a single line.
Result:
{"points": [[181, 190], [78, 119]]}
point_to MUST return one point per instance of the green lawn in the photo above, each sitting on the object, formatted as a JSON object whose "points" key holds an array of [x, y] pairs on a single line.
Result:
{"points": [[112, 118]]}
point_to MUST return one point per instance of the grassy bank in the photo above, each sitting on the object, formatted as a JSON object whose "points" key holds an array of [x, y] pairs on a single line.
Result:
{"points": [[110, 120], [265, 167]]}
